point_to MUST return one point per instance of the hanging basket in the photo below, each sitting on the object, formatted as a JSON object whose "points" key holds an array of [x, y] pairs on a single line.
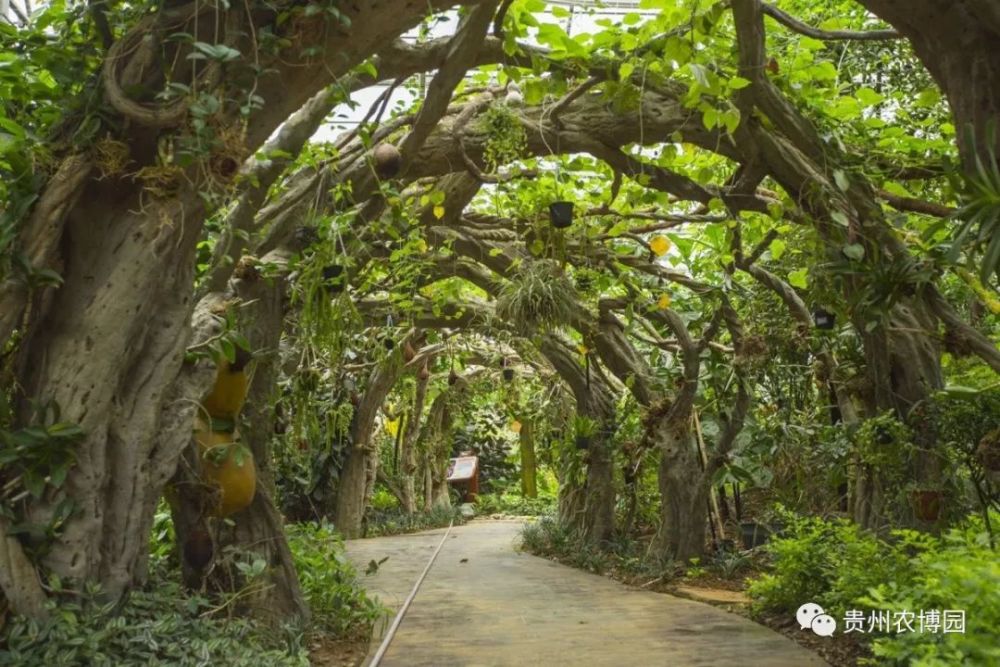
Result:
{"points": [[508, 374], [333, 278], [926, 504], [561, 214], [988, 451], [753, 534], [583, 442], [389, 343], [824, 319]]}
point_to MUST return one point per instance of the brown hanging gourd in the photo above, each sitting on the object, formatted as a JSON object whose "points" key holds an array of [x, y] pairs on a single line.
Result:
{"points": [[388, 160]]}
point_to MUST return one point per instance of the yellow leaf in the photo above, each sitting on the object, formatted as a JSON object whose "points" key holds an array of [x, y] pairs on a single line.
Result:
{"points": [[392, 427], [515, 426], [583, 349], [439, 211], [659, 245], [663, 302], [421, 245]]}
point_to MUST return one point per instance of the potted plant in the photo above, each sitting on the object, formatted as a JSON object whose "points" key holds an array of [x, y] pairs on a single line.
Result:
{"points": [[824, 319], [926, 503], [561, 214], [988, 451], [584, 429], [333, 278], [754, 534], [508, 370]]}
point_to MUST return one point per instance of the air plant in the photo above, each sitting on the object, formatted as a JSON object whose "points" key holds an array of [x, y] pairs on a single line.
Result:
{"points": [[539, 298]]}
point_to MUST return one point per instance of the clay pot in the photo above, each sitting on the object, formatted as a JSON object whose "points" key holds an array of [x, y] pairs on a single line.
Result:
{"points": [[926, 504], [388, 160]]}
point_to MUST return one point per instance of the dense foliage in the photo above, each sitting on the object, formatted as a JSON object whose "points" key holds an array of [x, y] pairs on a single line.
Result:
{"points": [[841, 569], [664, 267]]}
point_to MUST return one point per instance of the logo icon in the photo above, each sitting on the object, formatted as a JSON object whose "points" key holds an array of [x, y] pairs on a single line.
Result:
{"points": [[811, 616]]}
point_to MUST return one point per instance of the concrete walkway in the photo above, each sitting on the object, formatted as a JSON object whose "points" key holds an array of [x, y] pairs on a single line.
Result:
{"points": [[486, 603]]}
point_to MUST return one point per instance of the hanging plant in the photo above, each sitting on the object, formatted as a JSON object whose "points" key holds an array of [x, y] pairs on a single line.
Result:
{"points": [[539, 298], [507, 141], [561, 214], [824, 319], [387, 340], [926, 504], [333, 278], [988, 451], [508, 371], [584, 429]]}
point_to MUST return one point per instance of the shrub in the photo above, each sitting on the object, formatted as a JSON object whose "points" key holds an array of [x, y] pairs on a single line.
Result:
{"points": [[961, 573], [159, 626], [831, 563], [841, 567], [515, 504], [549, 538], [329, 582], [396, 521]]}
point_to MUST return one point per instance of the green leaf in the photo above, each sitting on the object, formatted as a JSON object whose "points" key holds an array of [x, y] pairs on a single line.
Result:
{"points": [[841, 179], [738, 83], [799, 278], [777, 249], [854, 251]]}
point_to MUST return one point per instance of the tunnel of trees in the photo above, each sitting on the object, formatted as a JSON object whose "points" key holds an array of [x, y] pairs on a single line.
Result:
{"points": [[703, 258]]}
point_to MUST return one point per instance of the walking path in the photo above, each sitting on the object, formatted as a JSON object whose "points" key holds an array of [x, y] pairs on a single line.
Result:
{"points": [[486, 603]]}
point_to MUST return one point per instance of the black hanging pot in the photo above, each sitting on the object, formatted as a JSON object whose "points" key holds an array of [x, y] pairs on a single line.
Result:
{"points": [[508, 374], [389, 343], [332, 277], [753, 534], [452, 377], [824, 319], [561, 214], [583, 442]]}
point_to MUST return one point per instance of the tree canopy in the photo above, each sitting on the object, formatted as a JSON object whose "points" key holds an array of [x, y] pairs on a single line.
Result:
{"points": [[670, 233]]}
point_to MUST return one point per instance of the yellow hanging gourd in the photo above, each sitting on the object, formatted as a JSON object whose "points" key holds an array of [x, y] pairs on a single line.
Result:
{"points": [[663, 302], [227, 466], [226, 398]]}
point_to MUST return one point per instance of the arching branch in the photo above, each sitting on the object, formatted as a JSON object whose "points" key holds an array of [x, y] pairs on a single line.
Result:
{"points": [[798, 26]]}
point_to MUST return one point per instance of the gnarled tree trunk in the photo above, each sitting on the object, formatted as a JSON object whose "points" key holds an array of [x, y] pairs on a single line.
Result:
{"points": [[259, 529], [529, 465]]}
